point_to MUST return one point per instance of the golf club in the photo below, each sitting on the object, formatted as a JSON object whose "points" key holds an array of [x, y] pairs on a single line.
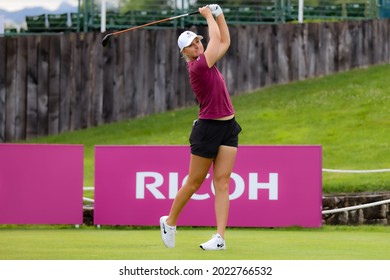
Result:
{"points": [[106, 39]]}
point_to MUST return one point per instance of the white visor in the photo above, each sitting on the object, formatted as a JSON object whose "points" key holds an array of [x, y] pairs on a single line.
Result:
{"points": [[186, 38]]}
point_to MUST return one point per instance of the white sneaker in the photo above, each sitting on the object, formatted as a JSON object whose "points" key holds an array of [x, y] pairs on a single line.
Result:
{"points": [[215, 243], [167, 233]]}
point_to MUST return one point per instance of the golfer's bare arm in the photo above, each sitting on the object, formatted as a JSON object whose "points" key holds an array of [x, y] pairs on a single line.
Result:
{"points": [[225, 36], [213, 49]]}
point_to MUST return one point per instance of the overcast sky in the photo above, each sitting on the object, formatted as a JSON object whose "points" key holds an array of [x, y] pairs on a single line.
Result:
{"points": [[15, 5]]}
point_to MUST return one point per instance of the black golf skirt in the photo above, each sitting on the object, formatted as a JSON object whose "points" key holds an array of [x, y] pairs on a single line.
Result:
{"points": [[207, 135]]}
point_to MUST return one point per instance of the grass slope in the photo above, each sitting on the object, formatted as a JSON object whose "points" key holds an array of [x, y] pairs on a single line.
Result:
{"points": [[346, 113]]}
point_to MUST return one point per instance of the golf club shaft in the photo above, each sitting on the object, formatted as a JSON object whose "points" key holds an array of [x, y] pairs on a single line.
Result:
{"points": [[152, 23]]}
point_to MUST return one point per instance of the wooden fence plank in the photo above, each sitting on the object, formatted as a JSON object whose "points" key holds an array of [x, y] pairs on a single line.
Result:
{"points": [[344, 40], [21, 89], [382, 41], [255, 59], [149, 75], [77, 83], [173, 58], [263, 55], [275, 63], [43, 88], [356, 45], [83, 85], [278, 72], [177, 61], [328, 49], [108, 81], [10, 95], [141, 98], [32, 87], [118, 81], [367, 43], [242, 67], [386, 42], [130, 73], [252, 62], [295, 54], [3, 88], [54, 85], [96, 87], [3, 63], [311, 49], [160, 72], [65, 82]]}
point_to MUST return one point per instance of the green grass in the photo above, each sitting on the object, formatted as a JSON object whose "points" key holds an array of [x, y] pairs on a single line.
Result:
{"points": [[88, 243], [347, 113]]}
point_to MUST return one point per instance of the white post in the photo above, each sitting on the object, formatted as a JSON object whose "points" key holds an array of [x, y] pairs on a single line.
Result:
{"points": [[1, 25], [300, 11], [103, 17]]}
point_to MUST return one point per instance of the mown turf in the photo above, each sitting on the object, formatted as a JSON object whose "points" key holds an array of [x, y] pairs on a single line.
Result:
{"points": [[88, 243]]}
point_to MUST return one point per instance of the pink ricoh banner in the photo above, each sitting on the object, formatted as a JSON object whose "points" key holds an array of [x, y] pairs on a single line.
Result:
{"points": [[271, 186], [41, 184]]}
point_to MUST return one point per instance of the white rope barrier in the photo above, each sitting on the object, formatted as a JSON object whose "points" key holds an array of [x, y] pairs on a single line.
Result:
{"points": [[355, 171], [88, 199], [367, 205]]}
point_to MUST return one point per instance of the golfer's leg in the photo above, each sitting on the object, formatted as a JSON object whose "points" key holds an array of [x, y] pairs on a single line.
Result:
{"points": [[223, 166], [198, 170]]}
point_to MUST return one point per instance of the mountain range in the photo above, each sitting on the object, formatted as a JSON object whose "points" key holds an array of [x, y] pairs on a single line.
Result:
{"points": [[16, 19]]}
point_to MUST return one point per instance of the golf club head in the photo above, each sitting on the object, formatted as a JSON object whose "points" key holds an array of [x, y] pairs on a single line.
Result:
{"points": [[106, 40]]}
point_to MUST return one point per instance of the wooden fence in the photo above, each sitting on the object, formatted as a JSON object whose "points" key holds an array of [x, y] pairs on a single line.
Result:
{"points": [[55, 83]]}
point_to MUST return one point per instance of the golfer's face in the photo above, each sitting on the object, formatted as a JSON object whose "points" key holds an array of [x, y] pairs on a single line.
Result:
{"points": [[195, 49]]}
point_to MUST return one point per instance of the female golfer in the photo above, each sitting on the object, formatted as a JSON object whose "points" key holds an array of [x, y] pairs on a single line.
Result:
{"points": [[214, 136]]}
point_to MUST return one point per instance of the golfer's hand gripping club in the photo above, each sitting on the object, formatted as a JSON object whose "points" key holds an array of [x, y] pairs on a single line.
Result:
{"points": [[215, 9]]}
